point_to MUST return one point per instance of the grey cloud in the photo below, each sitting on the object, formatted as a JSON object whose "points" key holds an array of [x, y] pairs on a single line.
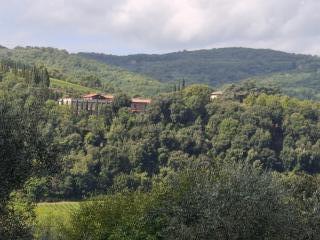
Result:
{"points": [[164, 25]]}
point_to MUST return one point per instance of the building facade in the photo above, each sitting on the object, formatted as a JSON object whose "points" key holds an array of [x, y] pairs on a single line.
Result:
{"points": [[93, 102], [139, 104]]}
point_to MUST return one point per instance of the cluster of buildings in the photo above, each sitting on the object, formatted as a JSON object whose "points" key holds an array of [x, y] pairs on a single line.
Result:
{"points": [[93, 102]]}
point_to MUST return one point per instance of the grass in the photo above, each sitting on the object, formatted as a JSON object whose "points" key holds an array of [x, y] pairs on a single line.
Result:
{"points": [[67, 86], [56, 206], [53, 218]]}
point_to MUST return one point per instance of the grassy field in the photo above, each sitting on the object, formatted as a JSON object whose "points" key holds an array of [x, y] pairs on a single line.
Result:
{"points": [[53, 218], [67, 86]]}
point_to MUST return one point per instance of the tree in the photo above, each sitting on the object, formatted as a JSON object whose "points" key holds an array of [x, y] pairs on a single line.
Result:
{"points": [[16, 156], [120, 101], [233, 201], [24, 149], [183, 83], [112, 217]]}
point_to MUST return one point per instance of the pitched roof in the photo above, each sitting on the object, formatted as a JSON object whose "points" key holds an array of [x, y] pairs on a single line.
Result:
{"points": [[108, 96], [91, 95], [217, 93], [141, 100]]}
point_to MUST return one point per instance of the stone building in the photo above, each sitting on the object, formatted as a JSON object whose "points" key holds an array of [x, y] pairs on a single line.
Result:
{"points": [[93, 102]]}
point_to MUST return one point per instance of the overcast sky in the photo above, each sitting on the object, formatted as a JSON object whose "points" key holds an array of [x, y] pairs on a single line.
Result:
{"points": [[157, 26]]}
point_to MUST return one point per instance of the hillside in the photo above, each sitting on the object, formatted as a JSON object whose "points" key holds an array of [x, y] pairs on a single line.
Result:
{"points": [[88, 73], [148, 75], [214, 67], [300, 84], [70, 88]]}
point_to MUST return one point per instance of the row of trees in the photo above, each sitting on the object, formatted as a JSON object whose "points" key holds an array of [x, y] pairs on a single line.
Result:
{"points": [[32, 75]]}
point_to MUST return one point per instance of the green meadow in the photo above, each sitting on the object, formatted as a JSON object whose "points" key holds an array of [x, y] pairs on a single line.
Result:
{"points": [[68, 86], [53, 218]]}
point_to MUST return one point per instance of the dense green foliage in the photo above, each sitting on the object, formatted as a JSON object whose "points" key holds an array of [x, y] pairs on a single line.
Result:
{"points": [[118, 150], [88, 73], [225, 201], [300, 84], [243, 166], [23, 150]]}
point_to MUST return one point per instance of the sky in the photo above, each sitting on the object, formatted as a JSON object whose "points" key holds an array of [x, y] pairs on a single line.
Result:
{"points": [[157, 26]]}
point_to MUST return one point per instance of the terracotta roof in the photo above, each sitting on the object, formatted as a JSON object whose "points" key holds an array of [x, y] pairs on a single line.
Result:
{"points": [[141, 100], [109, 96], [217, 93], [91, 95]]}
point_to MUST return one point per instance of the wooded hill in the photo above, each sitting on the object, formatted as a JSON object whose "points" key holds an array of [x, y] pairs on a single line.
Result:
{"points": [[89, 73], [298, 73], [148, 75]]}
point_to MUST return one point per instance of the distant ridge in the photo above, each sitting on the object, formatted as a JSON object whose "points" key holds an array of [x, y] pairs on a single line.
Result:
{"points": [[214, 66]]}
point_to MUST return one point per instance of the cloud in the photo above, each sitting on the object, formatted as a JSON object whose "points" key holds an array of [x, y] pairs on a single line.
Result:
{"points": [[166, 25]]}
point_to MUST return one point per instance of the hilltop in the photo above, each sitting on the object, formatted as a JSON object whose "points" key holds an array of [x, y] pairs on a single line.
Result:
{"points": [[214, 67]]}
